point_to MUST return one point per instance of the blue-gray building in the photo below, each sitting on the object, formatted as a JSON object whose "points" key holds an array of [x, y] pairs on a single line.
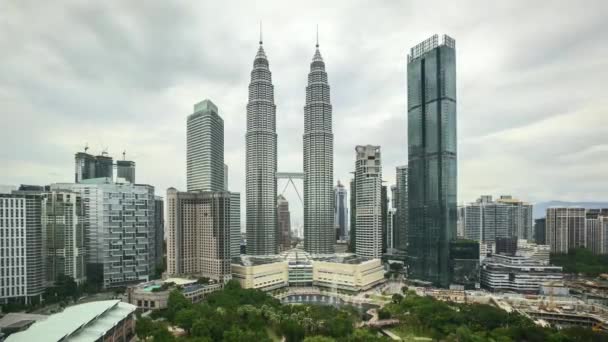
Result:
{"points": [[431, 92], [341, 211]]}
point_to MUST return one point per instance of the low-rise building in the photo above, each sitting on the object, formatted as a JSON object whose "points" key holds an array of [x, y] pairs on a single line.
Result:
{"points": [[464, 262], [108, 320], [297, 268], [264, 272], [349, 273], [154, 295], [517, 274], [14, 322], [534, 251]]}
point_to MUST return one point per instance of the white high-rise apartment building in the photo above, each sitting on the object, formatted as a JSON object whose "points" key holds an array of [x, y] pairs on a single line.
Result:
{"points": [[198, 234], [21, 247], [205, 149], [119, 226], [596, 230], [368, 216], [485, 220], [565, 228], [261, 161]]}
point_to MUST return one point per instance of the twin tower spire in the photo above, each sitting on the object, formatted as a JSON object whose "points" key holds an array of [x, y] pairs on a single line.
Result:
{"points": [[261, 160]]}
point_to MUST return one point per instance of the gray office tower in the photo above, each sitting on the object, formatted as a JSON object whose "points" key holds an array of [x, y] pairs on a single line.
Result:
{"points": [[104, 166], [261, 161], [205, 145], [89, 166], [401, 210], [85, 166], [341, 211], [431, 93], [235, 224], [384, 216], [126, 169], [319, 234], [119, 230], [352, 234], [159, 228]]}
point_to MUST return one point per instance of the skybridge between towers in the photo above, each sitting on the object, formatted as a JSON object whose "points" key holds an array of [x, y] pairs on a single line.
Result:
{"points": [[290, 176]]}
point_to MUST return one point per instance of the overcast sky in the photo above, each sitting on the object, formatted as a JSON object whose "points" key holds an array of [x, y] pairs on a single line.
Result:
{"points": [[124, 75]]}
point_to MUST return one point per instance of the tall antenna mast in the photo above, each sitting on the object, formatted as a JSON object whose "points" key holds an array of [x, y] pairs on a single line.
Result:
{"points": [[317, 35], [261, 33]]}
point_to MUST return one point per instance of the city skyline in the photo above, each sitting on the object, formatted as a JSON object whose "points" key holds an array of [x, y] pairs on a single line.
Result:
{"points": [[144, 114]]}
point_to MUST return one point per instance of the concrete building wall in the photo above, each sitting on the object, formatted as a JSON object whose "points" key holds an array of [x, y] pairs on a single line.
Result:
{"points": [[262, 276], [22, 272], [368, 183], [198, 230]]}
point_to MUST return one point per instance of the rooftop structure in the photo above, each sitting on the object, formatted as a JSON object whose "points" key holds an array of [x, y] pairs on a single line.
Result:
{"points": [[429, 44], [18, 321], [154, 295], [84, 322]]}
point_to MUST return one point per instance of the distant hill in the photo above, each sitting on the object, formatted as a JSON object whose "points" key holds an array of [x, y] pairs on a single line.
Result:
{"points": [[540, 209]]}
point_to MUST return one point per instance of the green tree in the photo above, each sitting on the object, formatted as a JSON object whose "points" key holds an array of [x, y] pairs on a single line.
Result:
{"points": [[144, 327], [176, 302], [341, 325], [65, 288], [232, 285], [201, 328], [239, 335], [384, 314], [364, 335], [161, 334], [319, 339], [292, 330], [185, 319], [396, 299]]}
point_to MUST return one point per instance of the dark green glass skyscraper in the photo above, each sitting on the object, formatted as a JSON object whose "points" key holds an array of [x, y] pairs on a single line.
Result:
{"points": [[431, 92]]}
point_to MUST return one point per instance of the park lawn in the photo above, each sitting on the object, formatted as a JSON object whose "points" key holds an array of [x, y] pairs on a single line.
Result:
{"points": [[273, 335], [408, 333]]}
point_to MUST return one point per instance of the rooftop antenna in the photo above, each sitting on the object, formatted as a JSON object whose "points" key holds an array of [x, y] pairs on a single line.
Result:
{"points": [[317, 35], [124, 155], [86, 147], [104, 152], [261, 32]]}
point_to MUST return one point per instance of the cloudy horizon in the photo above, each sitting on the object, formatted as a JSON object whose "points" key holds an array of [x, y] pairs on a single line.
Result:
{"points": [[121, 76]]}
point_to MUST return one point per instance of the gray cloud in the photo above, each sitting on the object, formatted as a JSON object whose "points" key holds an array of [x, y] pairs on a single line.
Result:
{"points": [[118, 75]]}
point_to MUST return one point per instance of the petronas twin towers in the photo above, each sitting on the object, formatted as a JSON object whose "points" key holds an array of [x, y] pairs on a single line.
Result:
{"points": [[261, 164]]}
